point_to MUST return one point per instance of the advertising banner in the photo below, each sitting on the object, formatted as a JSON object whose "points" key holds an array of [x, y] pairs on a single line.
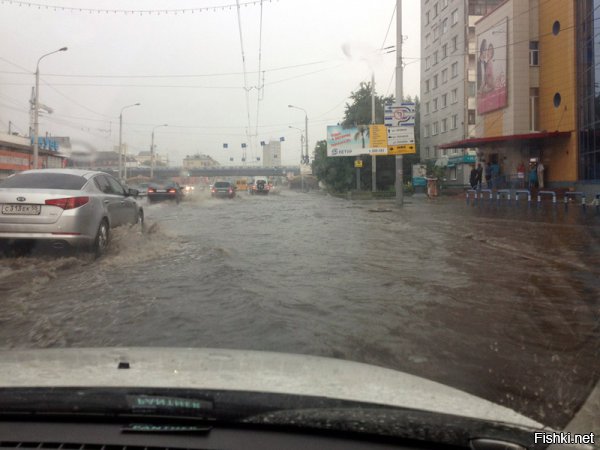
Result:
{"points": [[492, 88], [353, 141]]}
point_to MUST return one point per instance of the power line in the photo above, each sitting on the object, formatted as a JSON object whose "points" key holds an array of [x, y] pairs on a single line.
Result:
{"points": [[202, 75], [141, 12], [389, 26], [244, 69]]}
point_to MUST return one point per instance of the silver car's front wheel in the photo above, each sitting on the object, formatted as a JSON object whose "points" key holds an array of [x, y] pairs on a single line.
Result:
{"points": [[102, 239]]}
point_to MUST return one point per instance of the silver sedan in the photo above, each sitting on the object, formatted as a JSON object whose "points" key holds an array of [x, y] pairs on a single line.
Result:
{"points": [[65, 207]]}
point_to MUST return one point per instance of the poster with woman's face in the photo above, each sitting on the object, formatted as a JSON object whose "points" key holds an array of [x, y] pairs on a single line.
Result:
{"points": [[492, 89]]}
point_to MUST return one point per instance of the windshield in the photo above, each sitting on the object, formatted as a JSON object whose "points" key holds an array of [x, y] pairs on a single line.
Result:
{"points": [[44, 181], [412, 185]]}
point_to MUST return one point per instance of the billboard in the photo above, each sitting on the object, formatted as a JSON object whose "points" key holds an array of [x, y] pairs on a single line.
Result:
{"points": [[353, 141], [492, 87]]}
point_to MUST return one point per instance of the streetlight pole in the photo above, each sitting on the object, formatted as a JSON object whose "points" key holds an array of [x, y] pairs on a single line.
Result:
{"points": [[121, 171], [373, 157], [36, 124], [152, 150], [304, 158], [301, 156], [399, 184]]}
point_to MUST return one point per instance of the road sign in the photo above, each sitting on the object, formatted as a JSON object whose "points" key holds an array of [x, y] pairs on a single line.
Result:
{"points": [[405, 149], [401, 135], [378, 136], [402, 115], [358, 163]]}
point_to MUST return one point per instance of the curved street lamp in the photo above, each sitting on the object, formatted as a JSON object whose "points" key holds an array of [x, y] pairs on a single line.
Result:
{"points": [[36, 109], [152, 149], [123, 173]]}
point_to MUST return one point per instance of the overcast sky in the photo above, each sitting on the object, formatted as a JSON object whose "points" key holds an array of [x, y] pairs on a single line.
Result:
{"points": [[186, 70]]}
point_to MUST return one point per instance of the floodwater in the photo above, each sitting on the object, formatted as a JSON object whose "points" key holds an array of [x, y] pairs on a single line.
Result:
{"points": [[499, 300]]}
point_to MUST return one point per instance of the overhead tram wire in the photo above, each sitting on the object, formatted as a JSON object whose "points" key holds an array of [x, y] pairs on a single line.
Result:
{"points": [[245, 77], [201, 75]]}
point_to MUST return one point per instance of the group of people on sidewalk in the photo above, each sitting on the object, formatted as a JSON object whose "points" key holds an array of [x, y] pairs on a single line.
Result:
{"points": [[535, 175], [492, 174]]}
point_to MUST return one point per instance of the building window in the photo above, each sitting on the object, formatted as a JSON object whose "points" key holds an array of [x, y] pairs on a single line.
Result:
{"points": [[444, 26], [534, 53], [454, 95], [428, 63], [454, 122], [534, 106], [444, 51], [436, 32], [557, 100], [435, 81], [454, 17], [427, 39], [454, 70], [453, 173], [444, 125], [444, 100], [427, 108], [472, 89], [445, 76], [435, 57], [435, 104], [471, 117], [454, 43], [426, 131], [427, 18], [556, 28], [426, 85], [426, 152], [444, 4], [435, 128], [435, 10]]}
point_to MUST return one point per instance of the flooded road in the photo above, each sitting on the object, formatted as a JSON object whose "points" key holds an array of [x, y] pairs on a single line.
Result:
{"points": [[500, 301]]}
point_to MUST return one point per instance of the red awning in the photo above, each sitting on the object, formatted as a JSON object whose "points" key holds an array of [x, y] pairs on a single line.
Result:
{"points": [[483, 141]]}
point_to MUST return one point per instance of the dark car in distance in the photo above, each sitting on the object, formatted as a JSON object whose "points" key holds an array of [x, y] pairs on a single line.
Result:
{"points": [[164, 192], [222, 189]]}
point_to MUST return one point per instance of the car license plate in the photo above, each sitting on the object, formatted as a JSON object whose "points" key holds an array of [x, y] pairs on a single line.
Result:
{"points": [[161, 190], [24, 210]]}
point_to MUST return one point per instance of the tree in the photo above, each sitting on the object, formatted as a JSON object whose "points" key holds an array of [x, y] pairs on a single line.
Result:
{"points": [[336, 172]]}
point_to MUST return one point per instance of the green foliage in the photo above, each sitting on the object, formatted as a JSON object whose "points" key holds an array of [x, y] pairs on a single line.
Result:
{"points": [[337, 173], [358, 112]]}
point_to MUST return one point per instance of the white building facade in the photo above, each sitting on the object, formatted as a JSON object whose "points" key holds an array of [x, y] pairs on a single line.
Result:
{"points": [[449, 81], [272, 154]]}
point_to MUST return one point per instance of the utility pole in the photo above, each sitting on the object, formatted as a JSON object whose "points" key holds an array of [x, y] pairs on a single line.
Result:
{"points": [[399, 184], [373, 157], [36, 111]]}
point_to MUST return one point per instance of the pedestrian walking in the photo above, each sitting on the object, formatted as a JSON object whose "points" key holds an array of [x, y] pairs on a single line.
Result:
{"points": [[540, 174], [479, 175], [533, 178], [488, 174], [521, 175], [495, 175], [473, 178]]}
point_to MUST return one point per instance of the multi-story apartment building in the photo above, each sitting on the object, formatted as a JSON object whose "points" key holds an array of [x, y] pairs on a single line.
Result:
{"points": [[449, 79], [272, 154]]}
